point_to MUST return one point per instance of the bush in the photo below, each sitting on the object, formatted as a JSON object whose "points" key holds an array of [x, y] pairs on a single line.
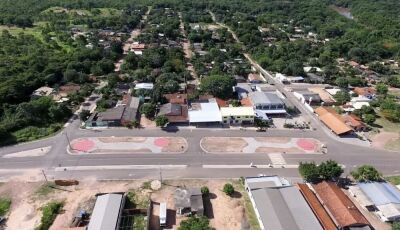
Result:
{"points": [[366, 173], [205, 191], [148, 110], [50, 212], [161, 121], [5, 204], [195, 223], [309, 171], [229, 189]]}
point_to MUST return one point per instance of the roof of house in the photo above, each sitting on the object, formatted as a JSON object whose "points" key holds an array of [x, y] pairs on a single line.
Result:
{"points": [[266, 181], [69, 88], [363, 91], [131, 109], [237, 111], [319, 211], [188, 198], [307, 95], [264, 98], [205, 112], [176, 98], [353, 121], [340, 207], [282, 208], [111, 114], [43, 91], [106, 212], [381, 193], [333, 120], [323, 94], [144, 86], [174, 112]]}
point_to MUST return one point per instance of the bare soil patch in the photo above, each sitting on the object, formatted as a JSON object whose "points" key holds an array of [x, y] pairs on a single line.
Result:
{"points": [[280, 140], [175, 144], [278, 150], [381, 139], [224, 144]]}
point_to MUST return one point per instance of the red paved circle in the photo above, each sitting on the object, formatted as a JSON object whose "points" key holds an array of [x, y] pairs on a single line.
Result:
{"points": [[161, 142], [83, 145], [306, 144]]}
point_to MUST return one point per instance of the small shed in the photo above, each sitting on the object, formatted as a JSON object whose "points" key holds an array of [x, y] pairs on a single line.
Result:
{"points": [[189, 201]]}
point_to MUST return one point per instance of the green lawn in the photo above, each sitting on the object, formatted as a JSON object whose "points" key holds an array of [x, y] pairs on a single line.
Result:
{"points": [[393, 179], [35, 31], [388, 126], [5, 204]]}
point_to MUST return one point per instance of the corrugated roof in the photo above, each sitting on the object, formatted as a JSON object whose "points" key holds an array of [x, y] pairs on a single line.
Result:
{"points": [[106, 212], [333, 120], [339, 206], [317, 207], [205, 112], [237, 111], [284, 208], [381, 193], [264, 98]]}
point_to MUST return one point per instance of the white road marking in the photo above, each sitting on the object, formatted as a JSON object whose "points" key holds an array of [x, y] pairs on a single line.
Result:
{"points": [[277, 159], [248, 166], [117, 167], [29, 153]]}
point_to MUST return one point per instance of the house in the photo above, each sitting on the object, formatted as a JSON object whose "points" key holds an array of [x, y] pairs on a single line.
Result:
{"points": [[322, 215], [340, 208], [148, 86], [380, 197], [332, 120], [108, 118], [243, 90], [279, 205], [137, 48], [365, 91], [237, 115], [287, 80], [308, 97], [176, 98], [255, 78], [131, 110], [175, 113], [189, 201], [42, 92], [332, 91], [68, 89], [326, 98], [354, 122], [205, 113], [315, 78], [122, 88], [266, 104], [106, 212]]}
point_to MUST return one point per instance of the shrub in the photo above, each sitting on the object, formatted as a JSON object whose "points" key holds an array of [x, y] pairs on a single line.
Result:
{"points": [[205, 191], [195, 223], [50, 212], [161, 121], [5, 204], [366, 173], [229, 189], [309, 171]]}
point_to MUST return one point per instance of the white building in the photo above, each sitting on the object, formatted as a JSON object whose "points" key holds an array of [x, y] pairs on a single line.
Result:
{"points": [[237, 115]]}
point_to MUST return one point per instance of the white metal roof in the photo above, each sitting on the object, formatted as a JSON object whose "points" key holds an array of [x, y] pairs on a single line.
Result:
{"points": [[205, 112], [237, 111], [106, 212], [144, 86]]}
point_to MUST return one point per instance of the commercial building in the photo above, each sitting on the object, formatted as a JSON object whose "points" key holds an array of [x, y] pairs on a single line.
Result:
{"points": [[379, 197], [106, 212], [278, 205], [205, 113], [266, 104], [237, 115], [341, 209], [308, 97]]}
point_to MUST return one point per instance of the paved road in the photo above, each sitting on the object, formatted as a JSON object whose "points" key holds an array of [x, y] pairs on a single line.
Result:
{"points": [[193, 160]]}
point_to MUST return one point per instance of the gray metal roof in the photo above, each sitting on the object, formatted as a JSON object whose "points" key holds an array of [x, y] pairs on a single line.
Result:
{"points": [[284, 208], [106, 212], [170, 109], [131, 110], [189, 198], [381, 193], [111, 114], [265, 98]]}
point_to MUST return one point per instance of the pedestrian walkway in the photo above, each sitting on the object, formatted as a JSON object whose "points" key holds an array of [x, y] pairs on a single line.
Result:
{"points": [[277, 159]]}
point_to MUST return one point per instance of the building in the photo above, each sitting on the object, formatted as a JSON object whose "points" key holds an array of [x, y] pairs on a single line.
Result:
{"points": [[131, 110], [308, 97], [148, 86], [205, 113], [319, 211], [341, 209], [42, 92], [109, 118], [278, 205], [176, 98], [287, 80], [380, 197], [326, 98], [333, 120], [354, 122], [365, 91], [175, 113], [255, 78], [237, 115], [189, 201], [266, 104], [106, 212]]}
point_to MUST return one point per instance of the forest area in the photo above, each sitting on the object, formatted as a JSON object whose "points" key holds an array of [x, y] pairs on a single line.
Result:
{"points": [[37, 49]]}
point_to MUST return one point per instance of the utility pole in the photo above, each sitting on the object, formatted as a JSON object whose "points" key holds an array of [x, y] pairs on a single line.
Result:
{"points": [[44, 174], [160, 175], [69, 142]]}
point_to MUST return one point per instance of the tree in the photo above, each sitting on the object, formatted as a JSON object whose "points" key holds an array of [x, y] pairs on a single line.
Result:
{"points": [[329, 170], [148, 110], [381, 89], [261, 124], [84, 115], [228, 189], [369, 118], [342, 82], [218, 85], [309, 171], [366, 173], [195, 223], [342, 97], [205, 191], [396, 226], [161, 121]]}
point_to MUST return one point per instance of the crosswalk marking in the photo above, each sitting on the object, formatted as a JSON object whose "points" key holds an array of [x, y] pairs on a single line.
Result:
{"points": [[277, 159]]}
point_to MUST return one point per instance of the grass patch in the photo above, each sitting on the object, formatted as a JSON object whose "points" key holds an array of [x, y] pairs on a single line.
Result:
{"points": [[50, 212], [250, 213], [31, 133], [5, 204], [139, 222], [45, 189], [146, 185], [15, 31], [387, 125], [393, 179]]}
